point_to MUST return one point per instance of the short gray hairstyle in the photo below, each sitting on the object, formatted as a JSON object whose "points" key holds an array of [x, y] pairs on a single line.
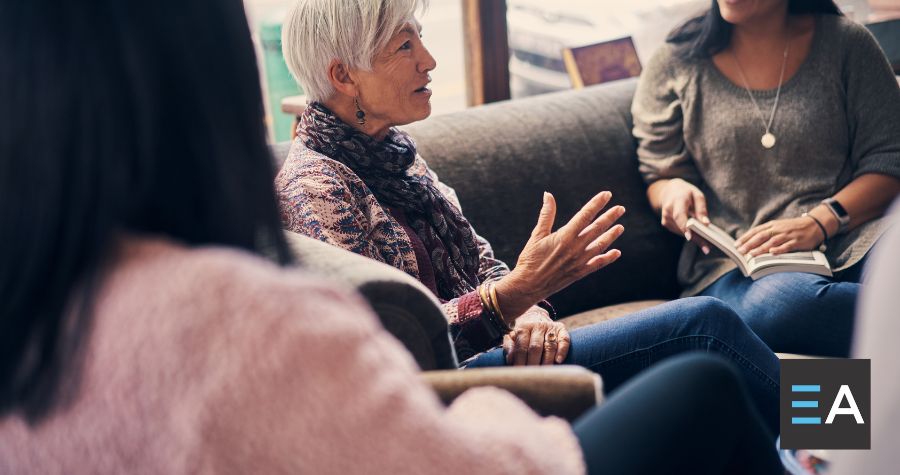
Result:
{"points": [[316, 32]]}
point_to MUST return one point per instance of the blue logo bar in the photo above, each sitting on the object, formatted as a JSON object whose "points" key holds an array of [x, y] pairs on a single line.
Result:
{"points": [[805, 388], [806, 420], [804, 403]]}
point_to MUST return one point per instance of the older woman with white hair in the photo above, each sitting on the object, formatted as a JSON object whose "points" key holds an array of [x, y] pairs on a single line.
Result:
{"points": [[353, 180]]}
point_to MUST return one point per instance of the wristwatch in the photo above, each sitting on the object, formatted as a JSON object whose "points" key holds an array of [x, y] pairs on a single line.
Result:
{"points": [[839, 212]]}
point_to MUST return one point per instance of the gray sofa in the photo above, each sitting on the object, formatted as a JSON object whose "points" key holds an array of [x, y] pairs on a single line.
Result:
{"points": [[501, 157]]}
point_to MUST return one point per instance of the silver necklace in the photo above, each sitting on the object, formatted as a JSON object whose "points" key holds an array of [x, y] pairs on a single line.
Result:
{"points": [[768, 138]]}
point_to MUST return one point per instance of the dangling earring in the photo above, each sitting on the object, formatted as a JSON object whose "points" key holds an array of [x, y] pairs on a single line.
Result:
{"points": [[360, 115]]}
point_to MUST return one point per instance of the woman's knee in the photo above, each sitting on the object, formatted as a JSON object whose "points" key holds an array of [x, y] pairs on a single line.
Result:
{"points": [[710, 315]]}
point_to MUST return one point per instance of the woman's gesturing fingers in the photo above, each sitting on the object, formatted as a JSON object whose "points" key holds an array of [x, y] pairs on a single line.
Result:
{"points": [[546, 218], [585, 216], [601, 243], [598, 262], [602, 223], [551, 261]]}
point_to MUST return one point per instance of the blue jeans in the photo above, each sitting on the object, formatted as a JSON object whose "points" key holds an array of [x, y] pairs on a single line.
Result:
{"points": [[621, 348], [795, 312]]}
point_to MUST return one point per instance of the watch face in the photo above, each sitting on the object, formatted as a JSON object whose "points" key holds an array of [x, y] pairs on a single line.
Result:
{"points": [[841, 212]]}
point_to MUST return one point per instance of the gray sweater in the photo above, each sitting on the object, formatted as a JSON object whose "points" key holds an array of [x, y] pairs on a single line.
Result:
{"points": [[838, 118]]}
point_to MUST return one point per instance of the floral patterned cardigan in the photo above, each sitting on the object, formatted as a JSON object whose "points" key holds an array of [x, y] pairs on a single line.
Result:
{"points": [[324, 199]]}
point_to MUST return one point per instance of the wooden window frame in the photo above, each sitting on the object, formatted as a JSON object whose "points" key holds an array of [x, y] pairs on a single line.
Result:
{"points": [[486, 51]]}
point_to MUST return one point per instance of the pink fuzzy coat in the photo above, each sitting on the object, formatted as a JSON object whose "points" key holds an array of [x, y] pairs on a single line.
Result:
{"points": [[213, 361]]}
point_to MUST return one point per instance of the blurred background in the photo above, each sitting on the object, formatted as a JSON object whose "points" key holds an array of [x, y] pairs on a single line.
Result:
{"points": [[538, 31]]}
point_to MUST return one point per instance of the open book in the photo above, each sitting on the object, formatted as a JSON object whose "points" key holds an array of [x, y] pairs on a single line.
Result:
{"points": [[813, 262]]}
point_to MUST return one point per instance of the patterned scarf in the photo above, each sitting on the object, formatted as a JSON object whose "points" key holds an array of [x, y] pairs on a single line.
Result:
{"points": [[383, 166]]}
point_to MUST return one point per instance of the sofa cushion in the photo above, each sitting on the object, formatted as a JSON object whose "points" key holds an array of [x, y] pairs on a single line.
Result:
{"points": [[608, 313], [501, 157]]}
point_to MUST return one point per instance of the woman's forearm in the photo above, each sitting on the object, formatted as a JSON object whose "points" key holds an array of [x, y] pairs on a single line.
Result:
{"points": [[865, 198], [514, 300]]}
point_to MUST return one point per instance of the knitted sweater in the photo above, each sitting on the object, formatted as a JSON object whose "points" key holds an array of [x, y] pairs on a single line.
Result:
{"points": [[836, 120], [213, 361]]}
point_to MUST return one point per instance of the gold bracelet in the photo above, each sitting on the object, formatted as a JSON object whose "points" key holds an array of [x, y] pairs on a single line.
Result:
{"points": [[495, 302], [485, 302], [488, 306]]}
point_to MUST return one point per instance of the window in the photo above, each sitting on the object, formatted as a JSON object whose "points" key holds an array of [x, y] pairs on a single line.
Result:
{"points": [[539, 30]]}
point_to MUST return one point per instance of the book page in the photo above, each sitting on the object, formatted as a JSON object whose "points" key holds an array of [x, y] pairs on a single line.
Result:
{"points": [[719, 238], [791, 257], [805, 261]]}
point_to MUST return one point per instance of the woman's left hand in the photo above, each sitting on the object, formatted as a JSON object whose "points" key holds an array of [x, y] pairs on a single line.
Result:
{"points": [[780, 236], [535, 340]]}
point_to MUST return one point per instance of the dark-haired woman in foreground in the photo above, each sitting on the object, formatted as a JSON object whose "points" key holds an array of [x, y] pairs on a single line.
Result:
{"points": [[777, 121], [144, 327]]}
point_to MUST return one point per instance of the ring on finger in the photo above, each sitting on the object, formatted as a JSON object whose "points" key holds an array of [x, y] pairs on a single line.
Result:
{"points": [[551, 337]]}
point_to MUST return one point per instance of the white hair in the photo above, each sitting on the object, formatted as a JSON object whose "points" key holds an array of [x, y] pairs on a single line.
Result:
{"points": [[316, 32]]}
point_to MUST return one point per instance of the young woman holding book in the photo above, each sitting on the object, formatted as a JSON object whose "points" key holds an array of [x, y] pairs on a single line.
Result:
{"points": [[774, 120]]}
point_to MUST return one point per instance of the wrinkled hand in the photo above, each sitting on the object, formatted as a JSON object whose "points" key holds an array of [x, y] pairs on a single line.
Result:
{"points": [[551, 260], [780, 236], [682, 200], [536, 340]]}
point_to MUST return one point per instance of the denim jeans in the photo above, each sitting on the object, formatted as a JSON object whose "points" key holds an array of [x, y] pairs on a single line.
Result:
{"points": [[621, 348], [795, 312]]}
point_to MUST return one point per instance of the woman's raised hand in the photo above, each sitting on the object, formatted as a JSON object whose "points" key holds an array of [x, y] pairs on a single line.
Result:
{"points": [[551, 260]]}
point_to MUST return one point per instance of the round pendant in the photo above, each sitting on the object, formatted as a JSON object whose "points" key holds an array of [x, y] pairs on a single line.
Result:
{"points": [[768, 140]]}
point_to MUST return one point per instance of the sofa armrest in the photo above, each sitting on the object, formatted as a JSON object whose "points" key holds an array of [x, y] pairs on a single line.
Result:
{"points": [[564, 391], [405, 307]]}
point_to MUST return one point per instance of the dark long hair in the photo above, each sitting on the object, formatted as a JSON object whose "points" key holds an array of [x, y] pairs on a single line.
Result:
{"points": [[117, 117], [707, 34]]}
